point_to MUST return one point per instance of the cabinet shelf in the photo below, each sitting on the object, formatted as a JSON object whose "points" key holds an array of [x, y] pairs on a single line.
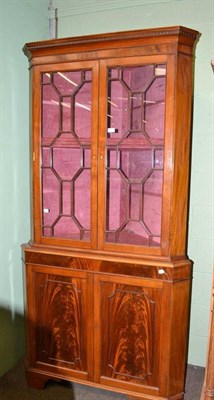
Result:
{"points": [[66, 142], [134, 143]]}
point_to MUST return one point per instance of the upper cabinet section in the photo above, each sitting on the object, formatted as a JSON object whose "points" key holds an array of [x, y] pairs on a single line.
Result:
{"points": [[111, 141]]}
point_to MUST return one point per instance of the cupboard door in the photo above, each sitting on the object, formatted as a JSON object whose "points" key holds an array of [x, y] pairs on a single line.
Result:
{"points": [[60, 314], [133, 147], [67, 137], [129, 332]]}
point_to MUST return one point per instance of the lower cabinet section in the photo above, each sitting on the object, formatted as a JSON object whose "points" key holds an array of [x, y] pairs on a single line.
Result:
{"points": [[122, 333]]}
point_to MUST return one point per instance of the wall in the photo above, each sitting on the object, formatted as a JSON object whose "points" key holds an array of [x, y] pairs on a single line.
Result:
{"points": [[79, 17], [20, 21]]}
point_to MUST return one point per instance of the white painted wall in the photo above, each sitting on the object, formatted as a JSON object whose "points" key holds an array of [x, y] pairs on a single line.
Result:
{"points": [[79, 17], [20, 21]]}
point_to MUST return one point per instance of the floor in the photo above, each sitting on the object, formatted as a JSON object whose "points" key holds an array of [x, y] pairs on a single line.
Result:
{"points": [[13, 386]]}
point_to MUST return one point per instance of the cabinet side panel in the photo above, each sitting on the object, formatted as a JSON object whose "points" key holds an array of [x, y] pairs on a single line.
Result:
{"points": [[179, 341], [174, 337], [182, 141], [30, 315]]}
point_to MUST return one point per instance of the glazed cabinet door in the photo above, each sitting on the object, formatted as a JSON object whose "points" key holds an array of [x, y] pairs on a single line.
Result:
{"points": [[59, 319], [135, 120], [128, 331], [64, 160]]}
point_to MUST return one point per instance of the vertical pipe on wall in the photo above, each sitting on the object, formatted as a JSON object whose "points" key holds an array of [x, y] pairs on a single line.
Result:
{"points": [[52, 20]]}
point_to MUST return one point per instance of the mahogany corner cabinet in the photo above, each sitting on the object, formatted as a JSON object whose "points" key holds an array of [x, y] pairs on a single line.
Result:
{"points": [[107, 274]]}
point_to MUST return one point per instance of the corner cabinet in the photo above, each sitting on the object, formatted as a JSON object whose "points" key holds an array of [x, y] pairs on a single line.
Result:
{"points": [[107, 276]]}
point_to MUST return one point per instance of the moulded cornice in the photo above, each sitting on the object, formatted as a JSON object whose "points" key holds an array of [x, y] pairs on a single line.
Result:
{"points": [[190, 34]]}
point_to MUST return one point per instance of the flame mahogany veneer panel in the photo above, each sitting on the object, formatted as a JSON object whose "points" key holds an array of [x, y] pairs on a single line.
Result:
{"points": [[59, 326], [130, 333]]}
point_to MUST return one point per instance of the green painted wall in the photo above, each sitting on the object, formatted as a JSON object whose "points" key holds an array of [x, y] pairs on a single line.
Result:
{"points": [[79, 17], [20, 21]]}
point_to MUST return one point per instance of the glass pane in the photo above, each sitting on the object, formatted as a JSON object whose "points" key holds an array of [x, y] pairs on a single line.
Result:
{"points": [[66, 82], [66, 162], [65, 226], [51, 197], [135, 164], [117, 190], [155, 108], [136, 106], [138, 78], [50, 112], [82, 111], [82, 186], [66, 154], [117, 110], [153, 202], [66, 114], [66, 198], [135, 147]]}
